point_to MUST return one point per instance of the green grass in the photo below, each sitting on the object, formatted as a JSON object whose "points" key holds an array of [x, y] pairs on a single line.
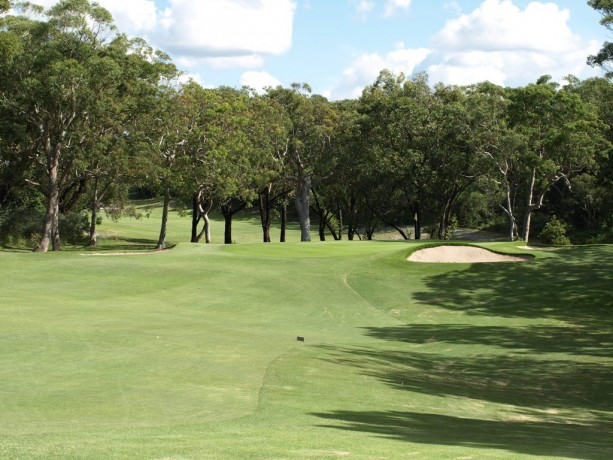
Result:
{"points": [[192, 352]]}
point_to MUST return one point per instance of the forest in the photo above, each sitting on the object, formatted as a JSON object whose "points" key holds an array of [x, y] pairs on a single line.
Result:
{"points": [[90, 119]]}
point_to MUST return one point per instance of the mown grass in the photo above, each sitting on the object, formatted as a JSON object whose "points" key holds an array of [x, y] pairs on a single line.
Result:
{"points": [[192, 352]]}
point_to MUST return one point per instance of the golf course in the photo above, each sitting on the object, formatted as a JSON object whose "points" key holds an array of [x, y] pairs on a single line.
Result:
{"points": [[192, 352]]}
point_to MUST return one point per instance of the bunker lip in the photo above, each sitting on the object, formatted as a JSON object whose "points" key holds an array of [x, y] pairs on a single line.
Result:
{"points": [[463, 254]]}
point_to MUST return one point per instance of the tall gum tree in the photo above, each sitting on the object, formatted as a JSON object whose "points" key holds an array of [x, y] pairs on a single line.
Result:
{"points": [[53, 87], [564, 137], [309, 144]]}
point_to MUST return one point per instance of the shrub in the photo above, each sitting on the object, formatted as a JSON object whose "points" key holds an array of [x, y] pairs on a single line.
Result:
{"points": [[554, 232]]}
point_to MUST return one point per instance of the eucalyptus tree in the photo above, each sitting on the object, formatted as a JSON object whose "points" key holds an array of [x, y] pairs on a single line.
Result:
{"points": [[501, 146], [605, 56], [64, 71], [110, 130], [563, 136], [169, 133], [308, 157], [269, 131]]}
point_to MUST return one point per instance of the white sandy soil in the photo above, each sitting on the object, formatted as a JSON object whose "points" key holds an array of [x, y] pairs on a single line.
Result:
{"points": [[462, 254]]}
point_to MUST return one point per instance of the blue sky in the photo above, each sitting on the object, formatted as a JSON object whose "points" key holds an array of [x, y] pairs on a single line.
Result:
{"points": [[339, 46]]}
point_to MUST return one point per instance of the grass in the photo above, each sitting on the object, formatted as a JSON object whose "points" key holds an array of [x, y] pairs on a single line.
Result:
{"points": [[192, 352]]}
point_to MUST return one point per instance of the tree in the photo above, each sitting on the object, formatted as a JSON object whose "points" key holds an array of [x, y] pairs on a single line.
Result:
{"points": [[499, 144], [64, 80], [605, 55], [563, 136], [309, 145], [53, 85]]}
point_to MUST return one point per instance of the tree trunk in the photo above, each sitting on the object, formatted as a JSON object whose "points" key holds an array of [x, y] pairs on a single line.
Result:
{"points": [[228, 212], [283, 222], [340, 225], [322, 225], [93, 240], [303, 199], [265, 212], [418, 214], [196, 218], [162, 239], [50, 231], [207, 228], [529, 207], [350, 220], [227, 228], [508, 210]]}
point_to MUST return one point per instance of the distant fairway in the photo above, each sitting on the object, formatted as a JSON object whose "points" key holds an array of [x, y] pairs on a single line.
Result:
{"points": [[192, 352]]}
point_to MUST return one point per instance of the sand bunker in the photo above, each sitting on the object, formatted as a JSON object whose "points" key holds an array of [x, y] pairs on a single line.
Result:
{"points": [[463, 254]]}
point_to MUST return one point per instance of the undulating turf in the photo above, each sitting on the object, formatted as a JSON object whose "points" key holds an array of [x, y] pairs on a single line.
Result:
{"points": [[192, 352]]}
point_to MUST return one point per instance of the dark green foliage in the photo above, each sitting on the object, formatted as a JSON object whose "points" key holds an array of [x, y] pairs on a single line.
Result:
{"points": [[555, 232]]}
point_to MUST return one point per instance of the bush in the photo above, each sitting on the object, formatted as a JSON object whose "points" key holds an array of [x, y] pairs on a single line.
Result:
{"points": [[74, 228], [21, 226], [554, 232]]}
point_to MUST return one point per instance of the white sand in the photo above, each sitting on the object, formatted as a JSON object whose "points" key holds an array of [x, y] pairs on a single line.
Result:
{"points": [[462, 254]]}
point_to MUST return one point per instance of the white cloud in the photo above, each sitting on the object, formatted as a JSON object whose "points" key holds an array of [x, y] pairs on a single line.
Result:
{"points": [[362, 8], [392, 6], [227, 28], [259, 80], [133, 17], [366, 68], [506, 45]]}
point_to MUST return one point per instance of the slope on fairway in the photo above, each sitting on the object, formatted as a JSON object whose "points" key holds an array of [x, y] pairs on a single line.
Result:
{"points": [[192, 353]]}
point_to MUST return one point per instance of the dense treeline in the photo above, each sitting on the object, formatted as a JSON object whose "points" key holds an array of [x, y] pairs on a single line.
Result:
{"points": [[86, 115]]}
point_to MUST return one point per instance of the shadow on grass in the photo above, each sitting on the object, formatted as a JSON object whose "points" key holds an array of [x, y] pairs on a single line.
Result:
{"points": [[552, 377], [574, 286], [533, 438], [574, 340]]}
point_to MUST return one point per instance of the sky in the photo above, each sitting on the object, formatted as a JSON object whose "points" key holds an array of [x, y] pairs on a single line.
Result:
{"points": [[339, 46]]}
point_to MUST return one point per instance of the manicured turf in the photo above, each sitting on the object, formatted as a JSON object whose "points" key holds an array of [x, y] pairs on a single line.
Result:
{"points": [[192, 352]]}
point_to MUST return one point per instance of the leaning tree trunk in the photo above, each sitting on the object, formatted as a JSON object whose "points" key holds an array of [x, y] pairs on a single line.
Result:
{"points": [[51, 231], [162, 239], [303, 201], [508, 210]]}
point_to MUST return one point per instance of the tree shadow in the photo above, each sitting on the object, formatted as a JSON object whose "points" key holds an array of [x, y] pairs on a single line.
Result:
{"points": [[523, 437], [573, 340], [573, 285], [543, 372]]}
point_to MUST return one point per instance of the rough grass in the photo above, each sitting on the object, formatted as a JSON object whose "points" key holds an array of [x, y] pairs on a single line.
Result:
{"points": [[192, 352]]}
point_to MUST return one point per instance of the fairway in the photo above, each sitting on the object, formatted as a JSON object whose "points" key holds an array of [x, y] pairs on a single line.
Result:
{"points": [[193, 353]]}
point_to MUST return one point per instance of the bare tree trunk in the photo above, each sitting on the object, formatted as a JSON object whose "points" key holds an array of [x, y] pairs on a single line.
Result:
{"points": [[227, 228], [93, 240], [207, 228], [162, 239], [283, 222], [508, 210], [417, 225], [228, 212], [196, 218], [50, 231], [303, 199], [265, 212], [529, 207]]}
